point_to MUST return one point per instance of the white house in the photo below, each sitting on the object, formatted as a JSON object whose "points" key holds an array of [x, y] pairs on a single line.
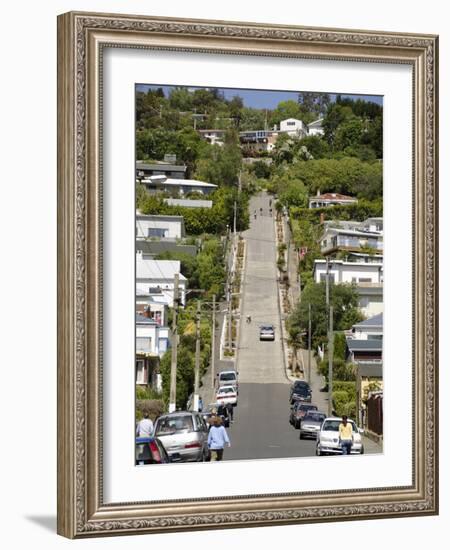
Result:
{"points": [[163, 227], [152, 341], [366, 272], [151, 338], [370, 300], [350, 240], [155, 184], [215, 137], [342, 271], [157, 278], [293, 127], [315, 128], [370, 329]]}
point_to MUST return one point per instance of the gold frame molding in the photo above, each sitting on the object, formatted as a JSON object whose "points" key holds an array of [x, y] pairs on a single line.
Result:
{"points": [[81, 38]]}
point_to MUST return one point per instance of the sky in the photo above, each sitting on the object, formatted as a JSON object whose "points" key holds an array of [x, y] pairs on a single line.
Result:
{"points": [[263, 99]]}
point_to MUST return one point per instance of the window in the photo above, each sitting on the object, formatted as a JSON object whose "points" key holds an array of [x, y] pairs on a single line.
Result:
{"points": [[365, 280], [140, 372], [157, 232], [290, 123], [143, 344]]}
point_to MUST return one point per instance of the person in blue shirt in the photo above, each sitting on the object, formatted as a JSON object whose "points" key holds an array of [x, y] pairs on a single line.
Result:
{"points": [[217, 439]]}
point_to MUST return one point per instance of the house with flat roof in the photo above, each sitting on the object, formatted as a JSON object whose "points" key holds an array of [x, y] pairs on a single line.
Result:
{"points": [[157, 278], [336, 240], [159, 226], [181, 187]]}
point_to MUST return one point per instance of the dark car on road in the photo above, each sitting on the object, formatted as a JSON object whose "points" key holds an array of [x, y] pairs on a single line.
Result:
{"points": [[149, 450], [300, 391], [310, 425], [298, 411]]}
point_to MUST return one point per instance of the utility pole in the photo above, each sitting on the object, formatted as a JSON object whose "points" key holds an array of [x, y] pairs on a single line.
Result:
{"points": [[309, 343], [197, 359], [327, 284], [230, 318], [213, 342], [330, 364], [358, 396], [173, 365]]}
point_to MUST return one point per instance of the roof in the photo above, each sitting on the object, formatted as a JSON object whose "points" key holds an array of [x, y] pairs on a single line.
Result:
{"points": [[157, 269], [156, 217], [189, 203], [375, 321], [364, 345], [316, 123], [333, 196], [162, 166], [179, 182], [360, 233], [375, 265], [370, 368], [140, 319]]}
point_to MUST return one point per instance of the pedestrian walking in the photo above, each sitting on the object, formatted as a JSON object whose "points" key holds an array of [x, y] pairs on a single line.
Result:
{"points": [[345, 435], [200, 404], [217, 439], [144, 427], [249, 318], [230, 410]]}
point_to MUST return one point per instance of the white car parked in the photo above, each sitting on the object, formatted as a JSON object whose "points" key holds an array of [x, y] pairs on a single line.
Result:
{"points": [[227, 394], [328, 438]]}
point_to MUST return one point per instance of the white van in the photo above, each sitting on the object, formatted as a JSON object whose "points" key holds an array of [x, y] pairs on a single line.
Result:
{"points": [[228, 378]]}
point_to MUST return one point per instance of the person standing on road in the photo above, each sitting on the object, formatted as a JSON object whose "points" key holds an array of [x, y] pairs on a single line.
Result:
{"points": [[217, 439], [145, 426], [345, 435]]}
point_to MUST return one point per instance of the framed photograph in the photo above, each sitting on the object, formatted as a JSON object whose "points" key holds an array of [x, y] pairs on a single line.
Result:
{"points": [[247, 282]]}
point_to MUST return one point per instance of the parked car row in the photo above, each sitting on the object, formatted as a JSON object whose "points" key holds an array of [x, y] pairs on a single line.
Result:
{"points": [[314, 424]]}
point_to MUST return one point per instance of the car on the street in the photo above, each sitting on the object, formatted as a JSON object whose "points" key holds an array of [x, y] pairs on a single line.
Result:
{"points": [[328, 438], [150, 450], [310, 424], [227, 394], [267, 332], [184, 435], [228, 378], [298, 411], [300, 391], [216, 409]]}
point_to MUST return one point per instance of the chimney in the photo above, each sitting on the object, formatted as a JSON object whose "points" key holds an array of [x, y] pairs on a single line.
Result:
{"points": [[318, 193]]}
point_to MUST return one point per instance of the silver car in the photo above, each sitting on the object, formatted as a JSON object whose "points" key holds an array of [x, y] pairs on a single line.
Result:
{"points": [[184, 435], [328, 438], [310, 424], [267, 332]]}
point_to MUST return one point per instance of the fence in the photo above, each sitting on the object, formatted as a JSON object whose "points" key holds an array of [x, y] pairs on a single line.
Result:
{"points": [[375, 414]]}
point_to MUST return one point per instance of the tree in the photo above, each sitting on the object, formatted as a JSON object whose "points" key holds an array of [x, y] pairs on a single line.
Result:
{"points": [[286, 109], [343, 298], [315, 103]]}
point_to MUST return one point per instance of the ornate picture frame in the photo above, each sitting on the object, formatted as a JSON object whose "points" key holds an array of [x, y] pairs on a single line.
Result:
{"points": [[82, 511]]}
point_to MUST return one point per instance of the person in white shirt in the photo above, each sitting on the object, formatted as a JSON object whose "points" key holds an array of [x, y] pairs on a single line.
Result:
{"points": [[145, 427]]}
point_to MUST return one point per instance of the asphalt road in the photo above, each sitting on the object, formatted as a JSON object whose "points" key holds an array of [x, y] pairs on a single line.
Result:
{"points": [[261, 426]]}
